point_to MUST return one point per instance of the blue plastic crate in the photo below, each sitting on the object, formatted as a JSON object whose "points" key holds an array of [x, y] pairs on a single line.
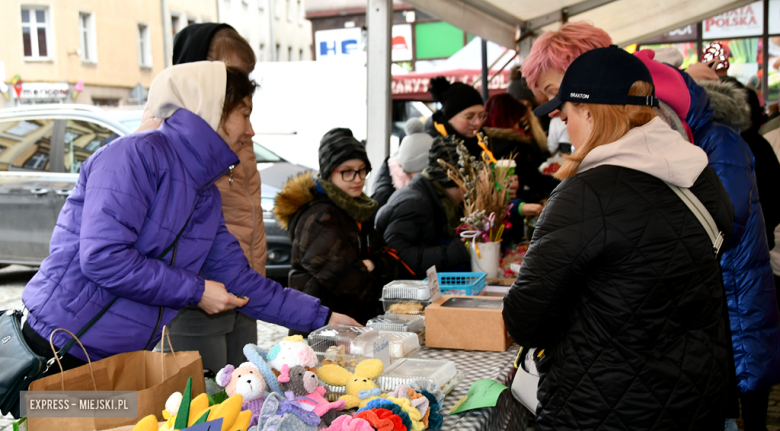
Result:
{"points": [[461, 283]]}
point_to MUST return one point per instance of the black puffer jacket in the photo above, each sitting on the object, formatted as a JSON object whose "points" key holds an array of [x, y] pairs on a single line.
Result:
{"points": [[328, 247], [412, 222], [622, 290]]}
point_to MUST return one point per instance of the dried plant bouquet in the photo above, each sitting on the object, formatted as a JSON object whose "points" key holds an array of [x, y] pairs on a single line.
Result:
{"points": [[485, 194]]}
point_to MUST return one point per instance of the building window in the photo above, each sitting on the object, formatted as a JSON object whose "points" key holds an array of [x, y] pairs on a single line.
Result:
{"points": [[289, 53], [290, 13], [260, 52], [87, 33], [144, 50], [190, 21], [174, 25], [300, 55], [35, 31], [301, 13], [277, 8], [278, 53], [105, 102]]}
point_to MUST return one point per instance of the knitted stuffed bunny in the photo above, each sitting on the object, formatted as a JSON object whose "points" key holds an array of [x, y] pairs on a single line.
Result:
{"points": [[304, 383]]}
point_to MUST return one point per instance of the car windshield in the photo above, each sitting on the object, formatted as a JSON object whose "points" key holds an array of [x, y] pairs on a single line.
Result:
{"points": [[264, 155]]}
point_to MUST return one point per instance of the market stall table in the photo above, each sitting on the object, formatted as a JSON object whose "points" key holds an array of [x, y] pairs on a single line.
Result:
{"points": [[507, 415]]}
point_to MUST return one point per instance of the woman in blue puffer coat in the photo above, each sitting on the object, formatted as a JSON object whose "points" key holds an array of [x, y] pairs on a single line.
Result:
{"points": [[747, 273], [144, 227]]}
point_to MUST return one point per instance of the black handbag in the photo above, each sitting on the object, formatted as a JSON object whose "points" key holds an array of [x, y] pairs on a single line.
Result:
{"points": [[20, 366]]}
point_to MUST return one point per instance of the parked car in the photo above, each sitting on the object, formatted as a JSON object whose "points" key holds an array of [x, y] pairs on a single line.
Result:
{"points": [[42, 148]]}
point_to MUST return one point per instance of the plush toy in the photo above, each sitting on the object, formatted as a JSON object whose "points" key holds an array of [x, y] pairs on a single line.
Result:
{"points": [[418, 401], [280, 413], [292, 351], [348, 423], [246, 381], [304, 383], [381, 403], [382, 420], [258, 356], [436, 400], [360, 386]]}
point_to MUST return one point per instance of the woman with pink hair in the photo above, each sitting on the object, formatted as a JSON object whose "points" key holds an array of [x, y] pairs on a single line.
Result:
{"points": [[554, 51]]}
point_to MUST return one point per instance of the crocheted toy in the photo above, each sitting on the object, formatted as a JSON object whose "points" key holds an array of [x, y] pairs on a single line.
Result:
{"points": [[292, 351], [418, 401], [258, 356], [281, 413], [389, 405], [360, 386], [247, 381], [382, 420], [348, 423], [304, 383], [436, 399]]}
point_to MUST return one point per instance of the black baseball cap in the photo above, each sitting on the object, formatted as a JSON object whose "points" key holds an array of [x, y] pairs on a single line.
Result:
{"points": [[601, 76]]}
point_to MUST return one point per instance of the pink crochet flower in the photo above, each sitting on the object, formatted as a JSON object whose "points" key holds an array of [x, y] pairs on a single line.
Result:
{"points": [[348, 423]]}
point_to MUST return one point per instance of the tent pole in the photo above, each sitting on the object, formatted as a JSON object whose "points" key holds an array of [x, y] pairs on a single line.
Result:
{"points": [[379, 19], [485, 92]]}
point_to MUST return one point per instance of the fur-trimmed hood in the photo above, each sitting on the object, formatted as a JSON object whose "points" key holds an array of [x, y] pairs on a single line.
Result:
{"points": [[729, 103], [400, 178], [507, 134], [297, 192]]}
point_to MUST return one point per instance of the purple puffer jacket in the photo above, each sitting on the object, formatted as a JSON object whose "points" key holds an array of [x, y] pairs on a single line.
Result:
{"points": [[131, 200]]}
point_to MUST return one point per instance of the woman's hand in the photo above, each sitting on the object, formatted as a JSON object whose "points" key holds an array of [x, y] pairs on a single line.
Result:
{"points": [[514, 184], [368, 264], [342, 319], [531, 210], [217, 299]]}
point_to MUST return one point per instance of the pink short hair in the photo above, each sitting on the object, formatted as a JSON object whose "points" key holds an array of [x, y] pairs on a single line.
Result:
{"points": [[556, 50]]}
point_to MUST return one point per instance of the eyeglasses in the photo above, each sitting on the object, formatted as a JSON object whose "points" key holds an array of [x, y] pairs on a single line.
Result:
{"points": [[471, 117], [349, 175]]}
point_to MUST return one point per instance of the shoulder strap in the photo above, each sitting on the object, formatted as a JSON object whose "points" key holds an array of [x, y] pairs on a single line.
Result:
{"points": [[700, 211], [61, 353]]}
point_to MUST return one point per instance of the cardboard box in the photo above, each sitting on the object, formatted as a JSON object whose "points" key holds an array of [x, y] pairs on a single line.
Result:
{"points": [[467, 323]]}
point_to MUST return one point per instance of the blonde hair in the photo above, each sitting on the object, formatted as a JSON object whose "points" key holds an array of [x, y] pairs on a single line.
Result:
{"points": [[227, 43], [610, 123]]}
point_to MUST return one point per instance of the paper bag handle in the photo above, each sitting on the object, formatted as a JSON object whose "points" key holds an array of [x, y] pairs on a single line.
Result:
{"points": [[57, 357], [166, 335]]}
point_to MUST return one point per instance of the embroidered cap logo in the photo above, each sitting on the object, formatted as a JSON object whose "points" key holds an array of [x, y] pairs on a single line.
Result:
{"points": [[579, 96]]}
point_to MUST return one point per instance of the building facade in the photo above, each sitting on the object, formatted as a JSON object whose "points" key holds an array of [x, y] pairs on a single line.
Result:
{"points": [[97, 52], [277, 30]]}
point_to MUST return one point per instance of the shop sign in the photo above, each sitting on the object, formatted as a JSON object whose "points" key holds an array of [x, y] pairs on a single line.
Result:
{"points": [[414, 86], [402, 42], [44, 90], [744, 21], [341, 42]]}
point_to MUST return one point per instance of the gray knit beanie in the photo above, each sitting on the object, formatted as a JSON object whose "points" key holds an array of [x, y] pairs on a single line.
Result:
{"points": [[413, 154]]}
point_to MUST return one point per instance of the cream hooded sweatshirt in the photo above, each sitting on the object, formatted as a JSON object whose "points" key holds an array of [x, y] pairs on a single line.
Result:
{"points": [[197, 87], [655, 149]]}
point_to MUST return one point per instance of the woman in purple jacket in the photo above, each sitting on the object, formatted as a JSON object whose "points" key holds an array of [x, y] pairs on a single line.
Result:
{"points": [[144, 228]]}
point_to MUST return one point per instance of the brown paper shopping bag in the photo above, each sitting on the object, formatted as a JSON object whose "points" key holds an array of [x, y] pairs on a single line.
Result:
{"points": [[155, 375]]}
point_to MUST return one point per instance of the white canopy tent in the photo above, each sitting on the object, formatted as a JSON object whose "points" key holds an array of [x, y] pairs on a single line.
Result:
{"points": [[515, 24]]}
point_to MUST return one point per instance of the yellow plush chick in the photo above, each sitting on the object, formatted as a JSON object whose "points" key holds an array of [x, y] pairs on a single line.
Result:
{"points": [[148, 423], [228, 411], [360, 386]]}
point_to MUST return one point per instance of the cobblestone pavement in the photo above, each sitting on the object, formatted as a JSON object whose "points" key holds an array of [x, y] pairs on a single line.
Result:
{"points": [[13, 279]]}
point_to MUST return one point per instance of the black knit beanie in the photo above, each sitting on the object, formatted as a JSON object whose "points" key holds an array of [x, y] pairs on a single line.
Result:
{"points": [[454, 97], [444, 148], [338, 146], [518, 86], [192, 43]]}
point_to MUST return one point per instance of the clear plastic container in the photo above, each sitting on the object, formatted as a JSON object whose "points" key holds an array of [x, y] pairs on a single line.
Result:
{"points": [[415, 290], [404, 306], [402, 344], [399, 323], [355, 340], [406, 370]]}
